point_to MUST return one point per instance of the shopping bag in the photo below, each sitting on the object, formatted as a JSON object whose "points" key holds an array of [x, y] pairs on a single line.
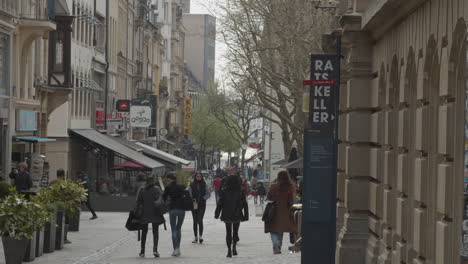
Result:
{"points": [[259, 210]]}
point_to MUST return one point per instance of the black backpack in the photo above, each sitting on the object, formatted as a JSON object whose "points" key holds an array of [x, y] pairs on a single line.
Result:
{"points": [[188, 202]]}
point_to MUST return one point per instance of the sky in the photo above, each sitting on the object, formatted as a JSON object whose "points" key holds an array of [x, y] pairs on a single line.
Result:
{"points": [[208, 7]]}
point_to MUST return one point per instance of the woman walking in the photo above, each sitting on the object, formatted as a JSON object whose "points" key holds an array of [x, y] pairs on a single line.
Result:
{"points": [[174, 195], [233, 209], [147, 196], [200, 192], [282, 193]]}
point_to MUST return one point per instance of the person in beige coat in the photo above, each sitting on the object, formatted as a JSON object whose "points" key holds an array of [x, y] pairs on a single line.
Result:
{"points": [[282, 193]]}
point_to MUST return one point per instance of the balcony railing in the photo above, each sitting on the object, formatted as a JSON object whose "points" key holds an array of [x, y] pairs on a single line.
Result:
{"points": [[33, 9]]}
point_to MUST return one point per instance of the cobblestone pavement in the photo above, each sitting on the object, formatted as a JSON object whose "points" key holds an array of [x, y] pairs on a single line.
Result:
{"points": [[106, 241]]}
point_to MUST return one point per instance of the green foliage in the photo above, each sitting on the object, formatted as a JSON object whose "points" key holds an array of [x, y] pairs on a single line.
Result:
{"points": [[20, 218], [6, 189], [64, 195], [209, 131], [183, 177]]}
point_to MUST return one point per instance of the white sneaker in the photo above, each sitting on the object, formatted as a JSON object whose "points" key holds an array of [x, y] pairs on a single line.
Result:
{"points": [[174, 253], [178, 252]]}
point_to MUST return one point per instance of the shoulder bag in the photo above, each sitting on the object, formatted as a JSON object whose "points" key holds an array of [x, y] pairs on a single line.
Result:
{"points": [[270, 212]]}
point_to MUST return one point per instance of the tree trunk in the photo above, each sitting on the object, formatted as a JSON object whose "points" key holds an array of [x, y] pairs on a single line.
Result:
{"points": [[243, 162]]}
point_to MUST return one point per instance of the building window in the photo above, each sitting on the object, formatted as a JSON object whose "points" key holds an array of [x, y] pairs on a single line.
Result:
{"points": [[4, 64]]}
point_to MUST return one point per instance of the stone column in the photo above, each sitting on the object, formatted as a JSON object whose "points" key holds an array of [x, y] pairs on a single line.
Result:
{"points": [[355, 148]]}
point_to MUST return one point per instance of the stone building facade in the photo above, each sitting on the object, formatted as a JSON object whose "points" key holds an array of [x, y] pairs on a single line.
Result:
{"points": [[401, 156]]}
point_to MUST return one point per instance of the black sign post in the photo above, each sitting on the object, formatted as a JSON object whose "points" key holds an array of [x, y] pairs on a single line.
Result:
{"points": [[320, 161]]}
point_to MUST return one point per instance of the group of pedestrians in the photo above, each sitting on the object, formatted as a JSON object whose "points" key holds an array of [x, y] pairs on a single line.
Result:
{"points": [[231, 208]]}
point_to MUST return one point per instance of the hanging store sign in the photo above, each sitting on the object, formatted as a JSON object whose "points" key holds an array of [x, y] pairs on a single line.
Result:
{"points": [[140, 116], [123, 105], [187, 115]]}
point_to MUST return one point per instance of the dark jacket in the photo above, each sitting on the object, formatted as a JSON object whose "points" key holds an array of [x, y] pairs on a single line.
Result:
{"points": [[232, 205], [147, 195], [261, 190], [283, 220], [200, 192], [23, 181], [174, 193]]}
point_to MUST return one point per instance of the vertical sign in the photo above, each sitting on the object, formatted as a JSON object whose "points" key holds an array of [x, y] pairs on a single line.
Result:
{"points": [[320, 150], [187, 115]]}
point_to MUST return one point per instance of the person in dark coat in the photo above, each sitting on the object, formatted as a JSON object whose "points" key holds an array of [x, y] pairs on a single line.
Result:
{"points": [[146, 198], [23, 181], [233, 209], [261, 192], [174, 194], [282, 193], [86, 184], [13, 174], [200, 192]]}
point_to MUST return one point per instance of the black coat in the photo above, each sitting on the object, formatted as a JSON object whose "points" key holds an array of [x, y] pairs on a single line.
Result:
{"points": [[232, 205], [174, 193], [23, 181], [146, 197]]}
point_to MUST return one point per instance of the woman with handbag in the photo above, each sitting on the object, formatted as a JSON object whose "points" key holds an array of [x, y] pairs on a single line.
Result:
{"points": [[233, 209], [281, 194], [148, 201], [200, 192]]}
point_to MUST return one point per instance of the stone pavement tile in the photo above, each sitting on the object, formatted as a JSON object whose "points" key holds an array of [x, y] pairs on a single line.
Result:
{"points": [[106, 241]]}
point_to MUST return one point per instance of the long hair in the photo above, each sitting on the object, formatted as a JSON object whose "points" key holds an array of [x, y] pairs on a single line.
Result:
{"points": [[195, 176], [233, 183], [284, 181]]}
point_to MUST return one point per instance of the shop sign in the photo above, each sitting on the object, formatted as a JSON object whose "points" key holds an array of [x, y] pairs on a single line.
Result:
{"points": [[123, 105], [187, 115], [26, 120], [140, 116], [112, 118]]}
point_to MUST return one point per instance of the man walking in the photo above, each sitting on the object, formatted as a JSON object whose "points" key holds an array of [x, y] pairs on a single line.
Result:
{"points": [[84, 178], [23, 181]]}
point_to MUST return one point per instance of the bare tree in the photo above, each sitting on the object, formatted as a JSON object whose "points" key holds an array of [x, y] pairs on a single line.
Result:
{"points": [[269, 42], [235, 110]]}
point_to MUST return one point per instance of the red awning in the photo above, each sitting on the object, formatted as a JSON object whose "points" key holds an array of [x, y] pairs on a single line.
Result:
{"points": [[131, 166]]}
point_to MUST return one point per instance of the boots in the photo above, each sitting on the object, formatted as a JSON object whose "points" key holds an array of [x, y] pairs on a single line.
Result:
{"points": [[234, 249], [229, 254]]}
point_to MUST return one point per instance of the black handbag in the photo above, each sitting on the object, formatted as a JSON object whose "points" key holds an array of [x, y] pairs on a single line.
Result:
{"points": [[270, 212], [133, 223], [160, 205], [188, 202]]}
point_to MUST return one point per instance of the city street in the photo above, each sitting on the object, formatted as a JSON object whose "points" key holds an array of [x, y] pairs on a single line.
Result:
{"points": [[106, 240]]}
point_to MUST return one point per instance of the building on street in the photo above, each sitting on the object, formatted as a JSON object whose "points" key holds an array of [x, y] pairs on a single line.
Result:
{"points": [[401, 157]]}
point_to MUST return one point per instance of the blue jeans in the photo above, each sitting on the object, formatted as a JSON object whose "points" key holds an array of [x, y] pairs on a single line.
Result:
{"points": [[277, 238], [176, 217]]}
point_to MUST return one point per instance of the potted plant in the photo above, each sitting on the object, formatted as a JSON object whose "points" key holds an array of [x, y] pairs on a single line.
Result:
{"points": [[5, 190], [67, 195], [51, 227], [19, 220]]}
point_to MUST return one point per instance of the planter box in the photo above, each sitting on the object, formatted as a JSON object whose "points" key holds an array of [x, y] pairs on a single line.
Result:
{"points": [[40, 243], [60, 230], [14, 250], [31, 249], [49, 236], [74, 223]]}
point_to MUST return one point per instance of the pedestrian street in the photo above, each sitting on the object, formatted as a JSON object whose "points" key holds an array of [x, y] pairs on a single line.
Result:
{"points": [[105, 241]]}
